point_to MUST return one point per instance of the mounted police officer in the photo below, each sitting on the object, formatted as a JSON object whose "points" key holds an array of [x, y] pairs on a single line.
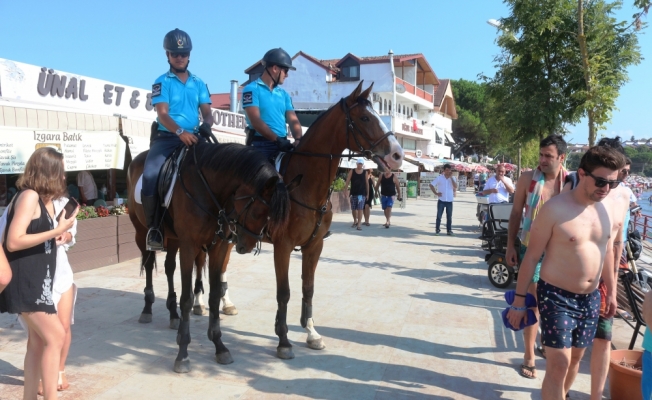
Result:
{"points": [[178, 96], [268, 107]]}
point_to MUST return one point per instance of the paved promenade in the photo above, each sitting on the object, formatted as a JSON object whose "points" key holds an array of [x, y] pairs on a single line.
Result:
{"points": [[404, 314]]}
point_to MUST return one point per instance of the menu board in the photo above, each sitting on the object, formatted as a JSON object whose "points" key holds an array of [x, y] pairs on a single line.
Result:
{"points": [[424, 183], [82, 150]]}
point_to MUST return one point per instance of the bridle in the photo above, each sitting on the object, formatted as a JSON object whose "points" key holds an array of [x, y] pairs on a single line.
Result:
{"points": [[243, 227], [223, 218], [352, 130]]}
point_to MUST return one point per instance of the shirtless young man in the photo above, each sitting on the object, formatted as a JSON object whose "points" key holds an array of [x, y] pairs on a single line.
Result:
{"points": [[536, 187], [575, 231], [617, 204]]}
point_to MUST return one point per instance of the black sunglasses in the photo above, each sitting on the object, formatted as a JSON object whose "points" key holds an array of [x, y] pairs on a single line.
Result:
{"points": [[184, 54], [601, 182]]}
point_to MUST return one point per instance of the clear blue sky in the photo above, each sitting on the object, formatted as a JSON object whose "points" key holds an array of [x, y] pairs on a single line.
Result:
{"points": [[121, 41]]}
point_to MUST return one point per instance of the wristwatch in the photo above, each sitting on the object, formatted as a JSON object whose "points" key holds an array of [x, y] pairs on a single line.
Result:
{"points": [[179, 131]]}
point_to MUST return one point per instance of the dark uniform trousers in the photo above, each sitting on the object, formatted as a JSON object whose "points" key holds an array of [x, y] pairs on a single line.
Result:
{"points": [[161, 147]]}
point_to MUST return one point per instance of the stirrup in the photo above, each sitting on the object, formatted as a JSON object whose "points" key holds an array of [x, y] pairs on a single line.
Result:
{"points": [[150, 243]]}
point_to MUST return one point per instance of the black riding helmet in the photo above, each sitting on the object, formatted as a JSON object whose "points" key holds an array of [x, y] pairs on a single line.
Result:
{"points": [[278, 57], [177, 41]]}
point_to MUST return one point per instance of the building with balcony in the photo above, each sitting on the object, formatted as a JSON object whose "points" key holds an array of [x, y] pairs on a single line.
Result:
{"points": [[411, 100]]}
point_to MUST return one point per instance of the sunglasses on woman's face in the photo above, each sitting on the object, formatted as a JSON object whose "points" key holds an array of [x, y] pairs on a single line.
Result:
{"points": [[601, 182], [182, 55]]}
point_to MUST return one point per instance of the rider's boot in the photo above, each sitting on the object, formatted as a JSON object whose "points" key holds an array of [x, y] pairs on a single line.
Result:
{"points": [[154, 235]]}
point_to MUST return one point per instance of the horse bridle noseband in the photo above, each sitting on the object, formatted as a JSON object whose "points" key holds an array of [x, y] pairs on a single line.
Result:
{"points": [[222, 218]]}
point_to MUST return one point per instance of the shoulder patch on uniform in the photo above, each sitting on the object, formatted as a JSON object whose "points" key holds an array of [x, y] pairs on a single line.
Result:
{"points": [[247, 98], [156, 89]]}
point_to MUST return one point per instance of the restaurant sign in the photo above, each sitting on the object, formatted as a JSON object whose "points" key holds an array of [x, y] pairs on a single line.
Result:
{"points": [[82, 150], [47, 86]]}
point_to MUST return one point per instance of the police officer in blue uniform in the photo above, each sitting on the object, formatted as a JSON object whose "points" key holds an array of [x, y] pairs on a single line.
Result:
{"points": [[268, 107], [178, 96]]}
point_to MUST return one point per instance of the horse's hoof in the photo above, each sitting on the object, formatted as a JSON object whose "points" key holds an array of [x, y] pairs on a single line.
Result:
{"points": [[182, 366], [145, 318], [284, 353], [224, 358], [174, 323], [199, 310], [317, 344], [230, 310]]}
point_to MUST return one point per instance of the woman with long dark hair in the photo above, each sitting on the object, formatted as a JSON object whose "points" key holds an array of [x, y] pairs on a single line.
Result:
{"points": [[31, 249]]}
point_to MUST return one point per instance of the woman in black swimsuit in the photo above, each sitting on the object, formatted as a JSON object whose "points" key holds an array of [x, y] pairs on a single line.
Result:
{"points": [[30, 244]]}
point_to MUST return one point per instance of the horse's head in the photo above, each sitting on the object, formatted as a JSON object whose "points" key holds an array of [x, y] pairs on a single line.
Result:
{"points": [[256, 212], [367, 133]]}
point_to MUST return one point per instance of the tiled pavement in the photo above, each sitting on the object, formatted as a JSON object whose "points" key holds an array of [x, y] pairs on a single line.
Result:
{"points": [[404, 314]]}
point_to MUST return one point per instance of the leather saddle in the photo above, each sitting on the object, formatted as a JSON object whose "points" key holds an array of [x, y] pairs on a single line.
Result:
{"points": [[168, 175]]}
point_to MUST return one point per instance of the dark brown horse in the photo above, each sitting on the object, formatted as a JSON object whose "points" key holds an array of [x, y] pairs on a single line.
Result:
{"points": [[351, 123], [226, 191]]}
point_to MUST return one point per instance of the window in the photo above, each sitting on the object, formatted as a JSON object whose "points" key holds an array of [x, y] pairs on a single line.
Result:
{"points": [[385, 106], [350, 73], [409, 144], [390, 106]]}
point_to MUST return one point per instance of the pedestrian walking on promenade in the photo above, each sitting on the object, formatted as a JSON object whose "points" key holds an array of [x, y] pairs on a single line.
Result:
{"points": [[389, 188], [444, 187], [30, 245], [359, 191], [533, 189], [617, 204], [567, 293], [367, 205]]}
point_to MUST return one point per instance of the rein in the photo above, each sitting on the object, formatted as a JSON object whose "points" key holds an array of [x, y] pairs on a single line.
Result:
{"points": [[222, 217], [356, 133]]}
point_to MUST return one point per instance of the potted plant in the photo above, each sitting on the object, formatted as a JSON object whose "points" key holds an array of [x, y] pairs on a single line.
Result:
{"points": [[625, 374]]}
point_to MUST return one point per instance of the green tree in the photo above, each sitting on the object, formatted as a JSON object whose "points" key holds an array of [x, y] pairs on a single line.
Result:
{"points": [[550, 73], [470, 129], [573, 161], [607, 48]]}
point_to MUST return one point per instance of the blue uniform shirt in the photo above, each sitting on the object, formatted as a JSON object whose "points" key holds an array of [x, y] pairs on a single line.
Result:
{"points": [[272, 105], [183, 99]]}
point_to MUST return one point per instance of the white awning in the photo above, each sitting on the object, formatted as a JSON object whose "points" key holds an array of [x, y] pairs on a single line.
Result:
{"points": [[429, 164], [439, 135], [408, 167], [449, 137]]}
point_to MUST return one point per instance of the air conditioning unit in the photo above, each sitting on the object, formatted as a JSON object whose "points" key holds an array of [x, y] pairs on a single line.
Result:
{"points": [[419, 153], [375, 97], [432, 155], [416, 107]]}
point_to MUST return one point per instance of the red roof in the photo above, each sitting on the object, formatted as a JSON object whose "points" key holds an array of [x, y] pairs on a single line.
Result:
{"points": [[222, 101], [440, 92]]}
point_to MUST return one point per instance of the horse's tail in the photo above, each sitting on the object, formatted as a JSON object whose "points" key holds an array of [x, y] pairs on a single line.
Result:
{"points": [[279, 213]]}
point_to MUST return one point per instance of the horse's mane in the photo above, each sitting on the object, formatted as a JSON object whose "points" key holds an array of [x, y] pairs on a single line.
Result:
{"points": [[322, 115], [235, 160], [250, 167]]}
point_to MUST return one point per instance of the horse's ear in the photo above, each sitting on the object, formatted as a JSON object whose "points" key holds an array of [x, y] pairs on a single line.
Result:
{"points": [[353, 97], [294, 183], [366, 93]]}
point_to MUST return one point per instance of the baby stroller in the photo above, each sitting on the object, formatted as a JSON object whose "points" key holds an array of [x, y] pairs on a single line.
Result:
{"points": [[494, 241]]}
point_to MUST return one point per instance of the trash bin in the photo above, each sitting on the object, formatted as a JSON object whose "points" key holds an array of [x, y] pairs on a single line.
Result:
{"points": [[412, 189]]}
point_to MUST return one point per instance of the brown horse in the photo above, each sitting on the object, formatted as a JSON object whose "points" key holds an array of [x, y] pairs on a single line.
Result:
{"points": [[223, 192], [351, 123]]}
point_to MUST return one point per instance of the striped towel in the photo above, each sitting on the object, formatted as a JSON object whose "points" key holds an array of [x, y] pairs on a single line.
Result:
{"points": [[534, 201]]}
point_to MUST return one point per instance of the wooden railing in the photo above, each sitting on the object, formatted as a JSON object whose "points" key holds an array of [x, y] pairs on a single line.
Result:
{"points": [[409, 88]]}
